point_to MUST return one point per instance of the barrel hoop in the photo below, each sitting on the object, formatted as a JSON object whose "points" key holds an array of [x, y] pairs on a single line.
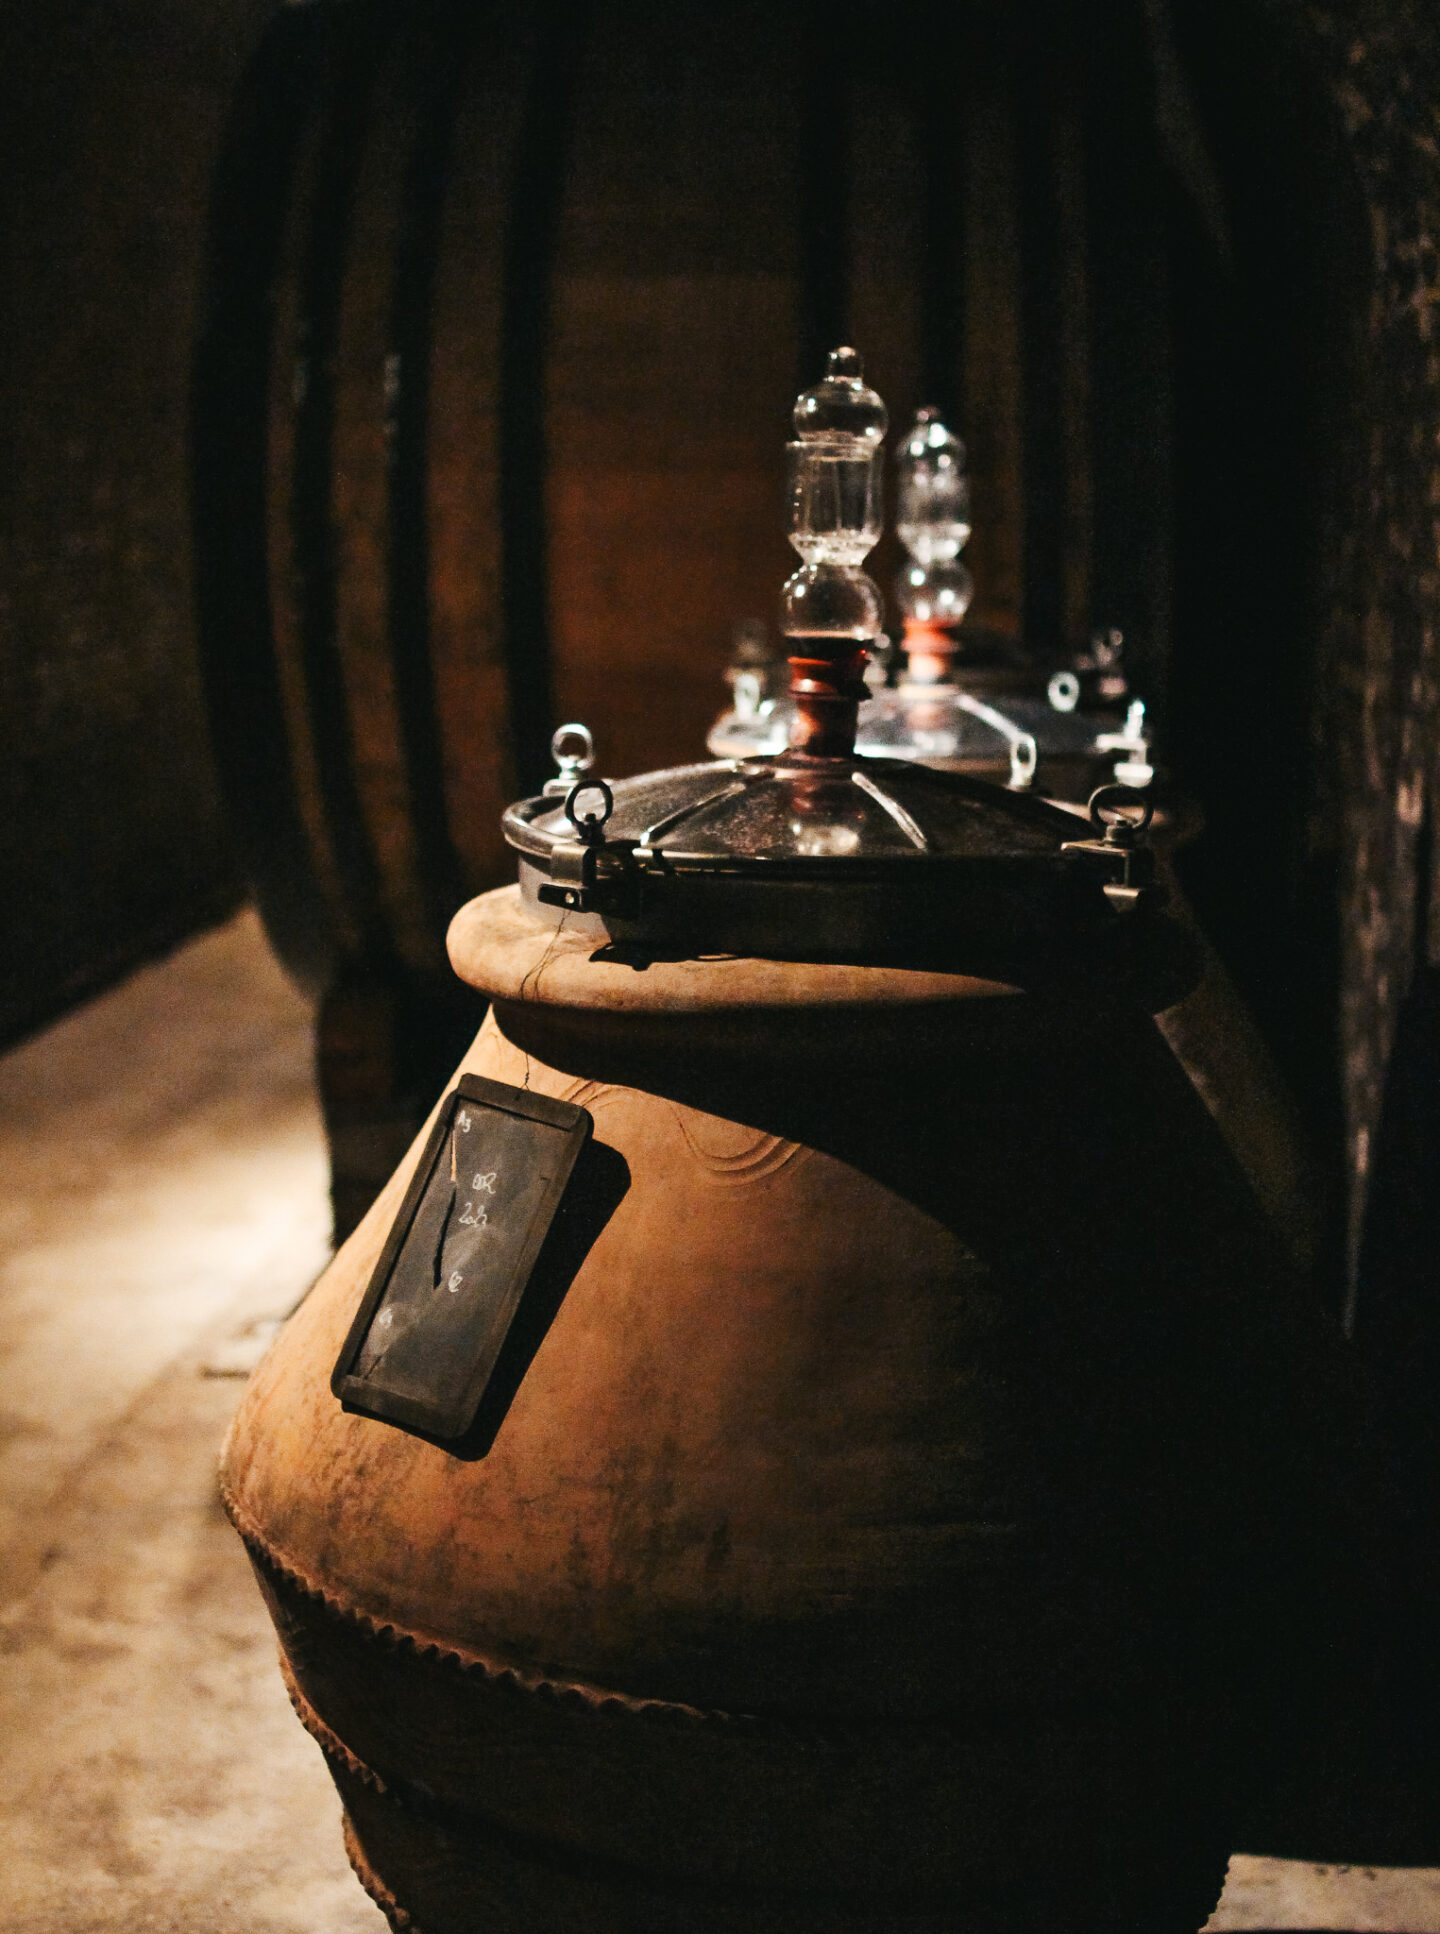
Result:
{"points": [[251, 199], [582, 1696], [448, 48], [345, 127], [540, 162]]}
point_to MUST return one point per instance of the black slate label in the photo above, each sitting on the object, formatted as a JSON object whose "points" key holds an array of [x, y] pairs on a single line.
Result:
{"points": [[458, 1257]]}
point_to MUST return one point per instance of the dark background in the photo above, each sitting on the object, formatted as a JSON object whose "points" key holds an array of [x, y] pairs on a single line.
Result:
{"points": [[112, 837], [396, 382]]}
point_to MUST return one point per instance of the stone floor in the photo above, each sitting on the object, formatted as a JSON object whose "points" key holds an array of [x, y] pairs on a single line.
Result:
{"points": [[165, 1207], [165, 1202]]}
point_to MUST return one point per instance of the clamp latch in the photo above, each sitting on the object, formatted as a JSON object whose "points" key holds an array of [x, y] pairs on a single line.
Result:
{"points": [[1122, 849], [590, 874]]}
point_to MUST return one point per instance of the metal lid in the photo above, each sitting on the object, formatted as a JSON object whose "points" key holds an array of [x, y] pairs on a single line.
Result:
{"points": [[820, 853], [840, 858], [1015, 738], [844, 816], [990, 716]]}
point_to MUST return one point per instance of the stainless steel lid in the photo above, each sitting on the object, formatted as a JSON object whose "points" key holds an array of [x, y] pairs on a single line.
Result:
{"points": [[995, 720], [845, 858], [818, 852]]}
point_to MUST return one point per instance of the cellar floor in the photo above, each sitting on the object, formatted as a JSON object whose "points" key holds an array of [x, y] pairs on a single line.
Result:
{"points": [[165, 1206]]}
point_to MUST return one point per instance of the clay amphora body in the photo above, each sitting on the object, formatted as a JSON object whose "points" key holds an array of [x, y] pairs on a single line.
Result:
{"points": [[899, 1484]]}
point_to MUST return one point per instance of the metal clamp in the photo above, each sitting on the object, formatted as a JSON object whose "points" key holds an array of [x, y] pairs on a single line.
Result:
{"points": [[1121, 829], [1122, 848], [1134, 769], [577, 881]]}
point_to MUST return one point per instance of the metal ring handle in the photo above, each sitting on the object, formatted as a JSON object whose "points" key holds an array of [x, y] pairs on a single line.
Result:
{"points": [[1024, 756], [1112, 798], [574, 733], [590, 827], [1063, 691]]}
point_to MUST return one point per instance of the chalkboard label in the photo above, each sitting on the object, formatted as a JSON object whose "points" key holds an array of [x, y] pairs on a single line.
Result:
{"points": [[459, 1254]]}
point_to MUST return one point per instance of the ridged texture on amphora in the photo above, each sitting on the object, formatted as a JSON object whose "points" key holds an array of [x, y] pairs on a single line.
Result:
{"points": [[898, 1485]]}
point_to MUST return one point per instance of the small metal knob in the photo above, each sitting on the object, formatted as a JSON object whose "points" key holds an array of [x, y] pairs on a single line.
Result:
{"points": [[1063, 691], [573, 749]]}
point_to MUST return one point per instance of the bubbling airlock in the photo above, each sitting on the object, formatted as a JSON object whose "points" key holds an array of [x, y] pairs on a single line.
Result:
{"points": [[934, 588], [830, 610]]}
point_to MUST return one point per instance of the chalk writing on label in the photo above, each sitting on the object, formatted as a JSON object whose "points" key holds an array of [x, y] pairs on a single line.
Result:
{"points": [[484, 1182], [473, 1218], [463, 1121], [456, 1279]]}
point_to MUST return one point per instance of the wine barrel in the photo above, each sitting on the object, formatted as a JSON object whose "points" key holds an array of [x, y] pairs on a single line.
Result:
{"points": [[488, 407], [489, 399], [498, 355]]}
